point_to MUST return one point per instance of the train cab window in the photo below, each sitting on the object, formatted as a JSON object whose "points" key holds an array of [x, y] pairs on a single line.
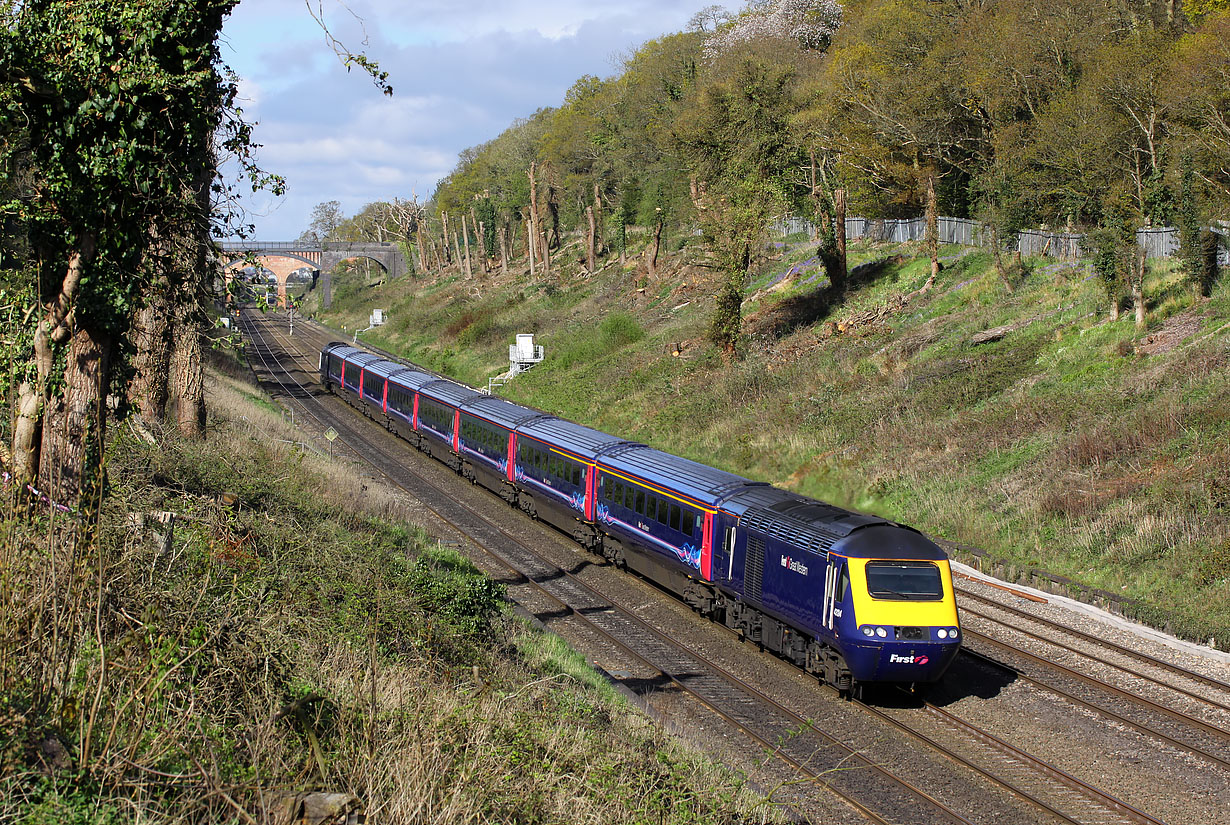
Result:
{"points": [[904, 580], [674, 525]]}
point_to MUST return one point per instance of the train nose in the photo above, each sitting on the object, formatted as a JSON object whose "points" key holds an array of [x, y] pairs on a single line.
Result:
{"points": [[906, 662]]}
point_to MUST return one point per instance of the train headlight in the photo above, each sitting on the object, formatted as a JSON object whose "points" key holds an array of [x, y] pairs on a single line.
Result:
{"points": [[882, 633], [942, 633], [867, 631], [952, 634]]}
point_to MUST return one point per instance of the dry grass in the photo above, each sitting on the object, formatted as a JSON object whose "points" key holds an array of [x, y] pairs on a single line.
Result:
{"points": [[205, 667]]}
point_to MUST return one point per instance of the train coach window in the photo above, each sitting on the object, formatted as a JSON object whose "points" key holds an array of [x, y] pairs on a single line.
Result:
{"points": [[640, 502], [674, 525], [664, 512], [904, 580]]}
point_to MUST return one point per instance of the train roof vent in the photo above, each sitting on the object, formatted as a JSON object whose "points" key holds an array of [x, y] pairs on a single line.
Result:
{"points": [[797, 533], [807, 510]]}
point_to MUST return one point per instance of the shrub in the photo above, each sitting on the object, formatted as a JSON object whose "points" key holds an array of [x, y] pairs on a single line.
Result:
{"points": [[448, 586]]}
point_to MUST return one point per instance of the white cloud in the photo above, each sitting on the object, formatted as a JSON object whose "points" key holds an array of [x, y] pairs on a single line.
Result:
{"points": [[461, 73]]}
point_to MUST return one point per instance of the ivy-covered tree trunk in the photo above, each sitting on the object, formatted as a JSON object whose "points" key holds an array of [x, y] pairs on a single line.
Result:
{"points": [[839, 277], [188, 371], [727, 324], [933, 233], [599, 222], [151, 340], [503, 238], [54, 329], [591, 247], [1139, 266], [74, 423], [121, 104]]}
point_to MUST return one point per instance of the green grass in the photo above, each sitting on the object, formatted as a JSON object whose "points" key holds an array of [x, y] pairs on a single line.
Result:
{"points": [[1057, 446]]}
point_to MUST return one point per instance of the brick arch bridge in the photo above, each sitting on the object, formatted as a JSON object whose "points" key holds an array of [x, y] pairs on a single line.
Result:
{"points": [[283, 258]]}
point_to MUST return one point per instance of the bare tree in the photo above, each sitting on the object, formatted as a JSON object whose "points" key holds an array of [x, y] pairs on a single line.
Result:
{"points": [[709, 19], [465, 235], [933, 233]]}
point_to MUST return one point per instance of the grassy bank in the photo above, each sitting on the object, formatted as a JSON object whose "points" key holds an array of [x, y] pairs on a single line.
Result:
{"points": [[1071, 443], [238, 632]]}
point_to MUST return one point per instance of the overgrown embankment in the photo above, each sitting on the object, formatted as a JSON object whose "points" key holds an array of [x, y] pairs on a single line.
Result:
{"points": [[249, 624], [1023, 422]]}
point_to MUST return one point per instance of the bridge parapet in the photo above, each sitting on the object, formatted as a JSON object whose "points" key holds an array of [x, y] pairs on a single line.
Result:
{"points": [[325, 257]]}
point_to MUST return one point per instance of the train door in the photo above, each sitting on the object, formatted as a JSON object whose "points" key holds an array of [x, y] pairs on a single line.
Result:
{"points": [[836, 585], [729, 548]]}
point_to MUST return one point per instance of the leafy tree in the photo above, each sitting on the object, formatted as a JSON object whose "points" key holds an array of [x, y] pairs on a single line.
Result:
{"points": [[327, 218], [1199, 85], [739, 146], [1189, 220], [1198, 10], [119, 105], [1114, 250]]}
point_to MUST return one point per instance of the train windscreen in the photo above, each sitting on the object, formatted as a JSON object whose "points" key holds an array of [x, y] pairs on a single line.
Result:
{"points": [[904, 580]]}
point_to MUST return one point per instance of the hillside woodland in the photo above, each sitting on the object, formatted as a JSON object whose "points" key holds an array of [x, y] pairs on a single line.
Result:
{"points": [[1097, 117]]}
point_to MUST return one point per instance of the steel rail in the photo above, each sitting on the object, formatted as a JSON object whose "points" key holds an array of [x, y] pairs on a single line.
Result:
{"points": [[1106, 643]]}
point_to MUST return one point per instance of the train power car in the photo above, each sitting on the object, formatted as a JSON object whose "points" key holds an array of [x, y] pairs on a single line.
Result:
{"points": [[851, 598]]}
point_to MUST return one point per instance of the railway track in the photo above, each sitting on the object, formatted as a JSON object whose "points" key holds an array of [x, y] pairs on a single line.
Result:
{"points": [[808, 752], [1162, 718], [794, 740]]}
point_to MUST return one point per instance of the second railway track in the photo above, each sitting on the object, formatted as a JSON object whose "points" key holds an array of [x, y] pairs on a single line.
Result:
{"points": [[796, 741]]}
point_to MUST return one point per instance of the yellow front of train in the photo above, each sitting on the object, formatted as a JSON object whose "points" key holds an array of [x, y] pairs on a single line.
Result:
{"points": [[904, 625]]}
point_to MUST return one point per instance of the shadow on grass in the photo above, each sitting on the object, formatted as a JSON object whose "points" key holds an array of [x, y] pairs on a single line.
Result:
{"points": [[809, 307]]}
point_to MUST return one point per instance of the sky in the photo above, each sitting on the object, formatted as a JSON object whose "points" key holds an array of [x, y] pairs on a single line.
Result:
{"points": [[462, 72]]}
